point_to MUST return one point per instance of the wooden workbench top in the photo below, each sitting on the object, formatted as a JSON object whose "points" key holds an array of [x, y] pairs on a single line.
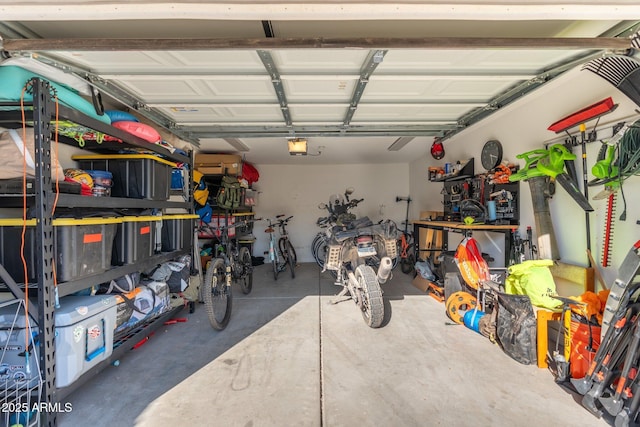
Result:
{"points": [[463, 226]]}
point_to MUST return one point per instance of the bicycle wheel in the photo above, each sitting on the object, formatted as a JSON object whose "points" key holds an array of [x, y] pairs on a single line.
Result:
{"points": [[321, 251], [292, 258], [408, 262], [314, 243], [246, 270], [274, 261], [217, 295]]}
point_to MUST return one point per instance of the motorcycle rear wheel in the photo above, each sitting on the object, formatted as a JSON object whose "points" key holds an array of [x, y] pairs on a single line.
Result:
{"points": [[371, 295]]}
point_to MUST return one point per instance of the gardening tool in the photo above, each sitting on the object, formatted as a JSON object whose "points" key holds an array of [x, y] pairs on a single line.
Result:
{"points": [[628, 270], [607, 371], [621, 71], [607, 345], [579, 118], [608, 231], [562, 360], [613, 404], [553, 165], [628, 413]]}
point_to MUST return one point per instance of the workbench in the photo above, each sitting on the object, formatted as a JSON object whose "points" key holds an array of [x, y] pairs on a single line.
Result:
{"points": [[459, 227]]}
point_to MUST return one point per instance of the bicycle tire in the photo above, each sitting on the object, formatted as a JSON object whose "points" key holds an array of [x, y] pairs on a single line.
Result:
{"points": [[216, 295], [321, 252], [292, 258], [282, 248], [314, 243], [407, 265], [246, 270], [274, 263]]}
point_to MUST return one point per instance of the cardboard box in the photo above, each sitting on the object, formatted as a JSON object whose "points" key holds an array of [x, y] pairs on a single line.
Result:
{"points": [[212, 164], [421, 283], [211, 170]]}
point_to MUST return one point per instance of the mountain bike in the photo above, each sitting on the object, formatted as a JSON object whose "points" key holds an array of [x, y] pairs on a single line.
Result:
{"points": [[282, 253], [230, 263]]}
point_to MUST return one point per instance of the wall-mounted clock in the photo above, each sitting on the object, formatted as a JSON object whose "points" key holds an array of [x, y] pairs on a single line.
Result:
{"points": [[491, 155]]}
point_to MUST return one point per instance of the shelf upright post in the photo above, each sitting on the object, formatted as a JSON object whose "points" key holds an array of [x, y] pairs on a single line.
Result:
{"points": [[45, 259]]}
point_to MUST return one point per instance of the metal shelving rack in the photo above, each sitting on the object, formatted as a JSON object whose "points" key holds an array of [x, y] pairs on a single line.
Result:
{"points": [[41, 201]]}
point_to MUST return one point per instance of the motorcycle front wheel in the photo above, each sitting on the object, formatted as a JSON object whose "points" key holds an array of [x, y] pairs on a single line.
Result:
{"points": [[371, 296]]}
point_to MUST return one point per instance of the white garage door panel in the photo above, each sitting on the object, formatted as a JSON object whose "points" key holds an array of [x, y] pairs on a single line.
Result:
{"points": [[425, 90], [235, 61], [319, 60], [200, 90], [119, 62], [234, 114], [319, 90], [408, 112], [463, 61], [334, 114]]}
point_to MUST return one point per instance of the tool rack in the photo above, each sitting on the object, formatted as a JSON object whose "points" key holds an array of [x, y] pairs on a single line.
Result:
{"points": [[42, 113]]}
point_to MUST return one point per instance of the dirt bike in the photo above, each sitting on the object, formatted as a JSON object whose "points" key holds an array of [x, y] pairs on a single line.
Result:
{"points": [[349, 247], [339, 213]]}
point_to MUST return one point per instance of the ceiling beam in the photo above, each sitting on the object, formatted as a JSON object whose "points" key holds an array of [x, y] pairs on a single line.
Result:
{"points": [[270, 66], [374, 58], [152, 44]]}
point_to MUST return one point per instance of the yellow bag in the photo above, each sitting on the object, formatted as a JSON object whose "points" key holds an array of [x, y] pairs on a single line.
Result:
{"points": [[200, 190], [533, 278]]}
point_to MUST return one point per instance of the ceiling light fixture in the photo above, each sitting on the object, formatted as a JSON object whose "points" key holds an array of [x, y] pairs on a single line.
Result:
{"points": [[298, 147], [237, 144], [400, 142]]}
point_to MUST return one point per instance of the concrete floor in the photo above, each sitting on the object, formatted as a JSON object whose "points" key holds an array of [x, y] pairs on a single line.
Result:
{"points": [[289, 357]]}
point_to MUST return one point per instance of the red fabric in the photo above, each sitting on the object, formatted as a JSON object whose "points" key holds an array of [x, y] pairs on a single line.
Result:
{"points": [[250, 173]]}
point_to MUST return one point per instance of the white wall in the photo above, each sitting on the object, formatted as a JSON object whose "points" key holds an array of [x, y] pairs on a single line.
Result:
{"points": [[522, 127], [297, 191]]}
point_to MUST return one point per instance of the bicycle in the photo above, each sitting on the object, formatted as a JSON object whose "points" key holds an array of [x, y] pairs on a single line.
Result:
{"points": [[283, 248], [406, 244], [407, 252], [230, 263]]}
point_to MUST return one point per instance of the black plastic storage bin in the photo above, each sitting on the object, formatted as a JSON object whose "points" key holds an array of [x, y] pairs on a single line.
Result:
{"points": [[10, 238], [177, 232], [82, 247], [137, 176], [135, 239]]}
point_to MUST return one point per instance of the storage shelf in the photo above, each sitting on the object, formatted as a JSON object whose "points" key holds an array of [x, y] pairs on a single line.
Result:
{"points": [[67, 288], [66, 200], [66, 113], [41, 113]]}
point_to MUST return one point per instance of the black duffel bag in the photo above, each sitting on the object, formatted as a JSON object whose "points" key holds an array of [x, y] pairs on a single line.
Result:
{"points": [[516, 328]]}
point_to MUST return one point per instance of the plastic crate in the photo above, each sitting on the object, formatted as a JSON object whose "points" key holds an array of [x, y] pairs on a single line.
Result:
{"points": [[135, 239], [177, 232], [83, 247], [137, 176], [84, 336]]}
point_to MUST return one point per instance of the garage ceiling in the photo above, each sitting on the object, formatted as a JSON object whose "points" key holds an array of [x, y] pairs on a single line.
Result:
{"points": [[410, 72]]}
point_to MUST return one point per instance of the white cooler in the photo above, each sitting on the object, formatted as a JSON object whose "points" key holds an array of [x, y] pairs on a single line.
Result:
{"points": [[84, 338], [84, 335]]}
